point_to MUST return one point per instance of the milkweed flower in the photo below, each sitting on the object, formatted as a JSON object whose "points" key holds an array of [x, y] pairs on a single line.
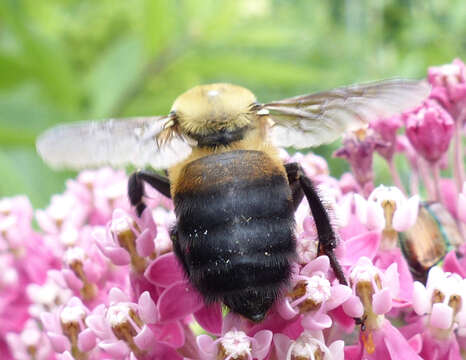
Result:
{"points": [[429, 128], [313, 295], [67, 330], [308, 346], [127, 240], [358, 150], [30, 343], [122, 325], [449, 83], [374, 294], [441, 302], [234, 343]]}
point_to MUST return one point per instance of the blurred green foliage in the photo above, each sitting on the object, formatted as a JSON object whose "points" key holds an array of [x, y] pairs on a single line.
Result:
{"points": [[67, 60]]}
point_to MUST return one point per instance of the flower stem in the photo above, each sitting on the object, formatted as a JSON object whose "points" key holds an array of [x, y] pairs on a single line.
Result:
{"points": [[436, 172], [396, 176], [426, 177]]}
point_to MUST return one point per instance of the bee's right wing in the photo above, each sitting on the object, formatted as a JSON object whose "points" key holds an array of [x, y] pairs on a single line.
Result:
{"points": [[114, 142], [310, 120]]}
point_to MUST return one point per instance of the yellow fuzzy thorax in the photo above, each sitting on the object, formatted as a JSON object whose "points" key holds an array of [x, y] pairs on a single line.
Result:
{"points": [[254, 140], [210, 108]]}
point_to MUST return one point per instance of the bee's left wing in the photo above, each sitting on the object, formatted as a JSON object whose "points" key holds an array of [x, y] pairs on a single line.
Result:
{"points": [[314, 119], [114, 142]]}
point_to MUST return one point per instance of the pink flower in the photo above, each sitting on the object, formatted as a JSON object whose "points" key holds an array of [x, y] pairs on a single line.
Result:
{"points": [[455, 261], [386, 129], [67, 330], [128, 240], [374, 292], [100, 192], [358, 150], [122, 327], [429, 129], [64, 211], [385, 343], [313, 296], [374, 295], [234, 343], [308, 346], [449, 83], [48, 296], [86, 272], [387, 210], [441, 302], [31, 340], [442, 299]]}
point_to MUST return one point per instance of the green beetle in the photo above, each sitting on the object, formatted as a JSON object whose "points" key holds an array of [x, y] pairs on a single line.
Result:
{"points": [[426, 243]]}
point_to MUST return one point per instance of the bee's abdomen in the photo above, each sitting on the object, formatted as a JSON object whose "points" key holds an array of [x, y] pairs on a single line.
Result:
{"points": [[235, 226]]}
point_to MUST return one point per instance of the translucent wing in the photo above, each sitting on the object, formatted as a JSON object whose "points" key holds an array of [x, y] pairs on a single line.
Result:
{"points": [[114, 142], [314, 119]]}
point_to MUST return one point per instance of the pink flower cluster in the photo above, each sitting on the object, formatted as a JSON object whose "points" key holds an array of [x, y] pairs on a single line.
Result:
{"points": [[97, 282]]}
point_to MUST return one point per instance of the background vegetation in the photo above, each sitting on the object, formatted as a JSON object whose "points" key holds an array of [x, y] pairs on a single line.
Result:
{"points": [[68, 60]]}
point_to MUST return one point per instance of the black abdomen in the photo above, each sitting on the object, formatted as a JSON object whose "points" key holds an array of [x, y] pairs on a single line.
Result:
{"points": [[235, 229]]}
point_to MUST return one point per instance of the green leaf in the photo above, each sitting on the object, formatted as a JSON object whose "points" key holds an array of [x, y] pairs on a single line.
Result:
{"points": [[118, 69], [24, 173]]}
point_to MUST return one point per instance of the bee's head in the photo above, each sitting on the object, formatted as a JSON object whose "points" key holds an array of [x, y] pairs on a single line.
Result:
{"points": [[215, 114]]}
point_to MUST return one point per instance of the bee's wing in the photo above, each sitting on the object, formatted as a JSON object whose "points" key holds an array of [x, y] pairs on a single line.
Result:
{"points": [[114, 142], [314, 119]]}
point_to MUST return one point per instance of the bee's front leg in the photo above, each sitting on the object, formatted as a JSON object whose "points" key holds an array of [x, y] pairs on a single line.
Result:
{"points": [[136, 187], [301, 186]]}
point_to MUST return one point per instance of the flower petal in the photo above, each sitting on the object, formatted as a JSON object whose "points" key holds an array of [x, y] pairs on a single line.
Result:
{"points": [[360, 205], [285, 309], [72, 280], [117, 255], [337, 350], [60, 343], [451, 264], [86, 340], [117, 349], [375, 216], [147, 308], [365, 244], [441, 316], [319, 264], [116, 295], [421, 301], [406, 216], [281, 343], [261, 346], [207, 347], [178, 301], [145, 339], [353, 307], [171, 333], [382, 301], [396, 344], [317, 321], [210, 318], [339, 294], [145, 245], [164, 271]]}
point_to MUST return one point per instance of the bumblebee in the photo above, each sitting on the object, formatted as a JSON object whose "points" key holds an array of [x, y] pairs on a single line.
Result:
{"points": [[234, 197]]}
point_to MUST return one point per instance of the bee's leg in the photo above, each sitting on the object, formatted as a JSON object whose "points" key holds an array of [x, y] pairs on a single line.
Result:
{"points": [[292, 171], [136, 187], [327, 240]]}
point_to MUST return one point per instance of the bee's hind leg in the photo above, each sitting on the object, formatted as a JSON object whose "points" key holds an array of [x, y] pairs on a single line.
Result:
{"points": [[136, 187], [302, 186]]}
